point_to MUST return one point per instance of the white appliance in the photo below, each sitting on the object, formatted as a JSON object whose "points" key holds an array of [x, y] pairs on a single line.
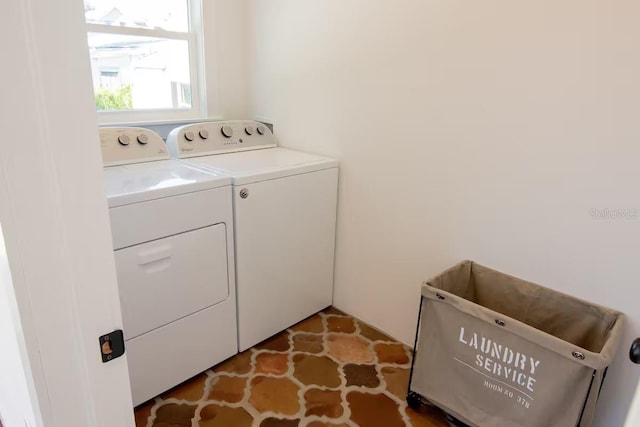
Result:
{"points": [[173, 241], [284, 221]]}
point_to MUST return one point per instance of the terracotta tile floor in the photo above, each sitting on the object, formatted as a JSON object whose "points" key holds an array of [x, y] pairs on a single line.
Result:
{"points": [[329, 370]]}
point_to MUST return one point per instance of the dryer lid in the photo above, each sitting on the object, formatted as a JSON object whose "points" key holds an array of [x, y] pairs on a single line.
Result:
{"points": [[140, 182], [260, 165]]}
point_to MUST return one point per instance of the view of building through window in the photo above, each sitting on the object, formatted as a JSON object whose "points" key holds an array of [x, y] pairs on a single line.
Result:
{"points": [[140, 54]]}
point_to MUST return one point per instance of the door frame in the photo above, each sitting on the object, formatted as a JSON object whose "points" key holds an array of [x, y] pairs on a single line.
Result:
{"points": [[55, 220]]}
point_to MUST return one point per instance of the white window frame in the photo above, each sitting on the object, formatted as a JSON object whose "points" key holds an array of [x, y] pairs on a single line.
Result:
{"points": [[194, 38]]}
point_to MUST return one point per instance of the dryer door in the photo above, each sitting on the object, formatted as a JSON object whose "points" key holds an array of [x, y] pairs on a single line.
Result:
{"points": [[167, 279]]}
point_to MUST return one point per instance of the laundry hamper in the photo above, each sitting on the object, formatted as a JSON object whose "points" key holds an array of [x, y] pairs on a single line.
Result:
{"points": [[495, 350]]}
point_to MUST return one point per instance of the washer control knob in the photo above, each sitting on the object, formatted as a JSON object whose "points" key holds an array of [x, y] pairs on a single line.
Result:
{"points": [[124, 139], [249, 130], [261, 130], [188, 135], [227, 131], [143, 138], [204, 134]]}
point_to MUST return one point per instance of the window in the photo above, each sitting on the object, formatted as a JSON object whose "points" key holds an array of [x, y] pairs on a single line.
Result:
{"points": [[145, 59]]}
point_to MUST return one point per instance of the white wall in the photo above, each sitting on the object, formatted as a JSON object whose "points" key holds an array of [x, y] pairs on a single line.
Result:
{"points": [[482, 130], [16, 384], [633, 417], [226, 58]]}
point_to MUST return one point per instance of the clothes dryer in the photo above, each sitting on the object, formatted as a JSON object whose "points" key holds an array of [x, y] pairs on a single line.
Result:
{"points": [[172, 228]]}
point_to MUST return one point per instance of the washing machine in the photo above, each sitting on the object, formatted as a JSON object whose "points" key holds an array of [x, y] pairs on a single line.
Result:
{"points": [[284, 221], [172, 228]]}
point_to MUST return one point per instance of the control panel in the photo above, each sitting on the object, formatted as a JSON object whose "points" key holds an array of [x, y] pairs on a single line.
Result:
{"points": [[202, 139], [124, 145]]}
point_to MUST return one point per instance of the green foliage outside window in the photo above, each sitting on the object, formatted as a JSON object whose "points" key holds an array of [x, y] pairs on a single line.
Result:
{"points": [[109, 100]]}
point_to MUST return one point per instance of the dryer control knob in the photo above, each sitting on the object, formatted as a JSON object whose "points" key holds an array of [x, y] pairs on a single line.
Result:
{"points": [[124, 139], [261, 130], [248, 130], [204, 134], [188, 135], [143, 138], [227, 131]]}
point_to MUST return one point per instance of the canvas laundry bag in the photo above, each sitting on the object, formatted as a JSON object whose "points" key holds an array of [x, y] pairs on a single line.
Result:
{"points": [[495, 350]]}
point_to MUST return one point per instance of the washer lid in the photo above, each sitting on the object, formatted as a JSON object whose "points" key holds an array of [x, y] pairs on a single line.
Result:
{"points": [[153, 180], [260, 165]]}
